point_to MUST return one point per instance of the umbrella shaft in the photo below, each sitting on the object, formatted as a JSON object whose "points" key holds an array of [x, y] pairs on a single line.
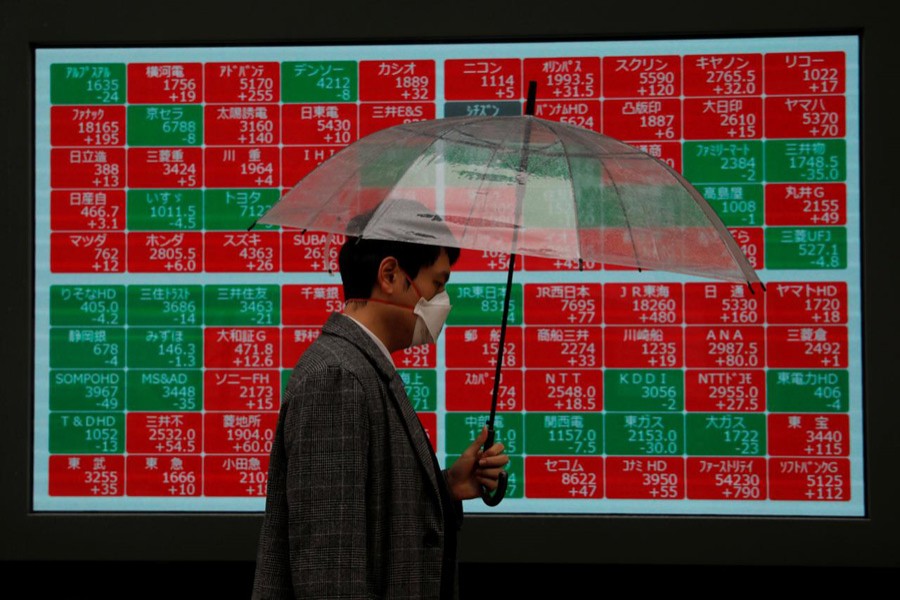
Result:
{"points": [[499, 368]]}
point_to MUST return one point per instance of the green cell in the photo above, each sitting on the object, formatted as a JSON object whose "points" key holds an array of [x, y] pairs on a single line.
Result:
{"points": [[421, 388], [165, 348], [515, 469], [87, 347], [464, 428], [722, 162], [561, 434], [165, 210], [243, 305], [87, 389], [87, 83], [643, 390], [87, 433], [92, 305], [806, 247], [798, 391], [178, 305], [726, 434], [806, 160], [237, 209], [285, 378], [165, 125], [737, 204], [482, 304], [172, 390], [319, 81], [644, 434]]}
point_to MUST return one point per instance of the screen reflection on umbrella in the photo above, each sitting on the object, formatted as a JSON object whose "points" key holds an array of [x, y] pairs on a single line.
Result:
{"points": [[516, 185]]}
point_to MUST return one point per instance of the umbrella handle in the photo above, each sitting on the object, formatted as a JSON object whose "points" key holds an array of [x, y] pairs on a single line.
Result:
{"points": [[502, 479]]}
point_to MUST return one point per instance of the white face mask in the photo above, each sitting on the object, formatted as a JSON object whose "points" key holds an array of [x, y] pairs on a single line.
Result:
{"points": [[432, 314]]}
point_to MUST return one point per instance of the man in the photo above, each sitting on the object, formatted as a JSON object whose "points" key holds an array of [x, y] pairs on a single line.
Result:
{"points": [[357, 505]]}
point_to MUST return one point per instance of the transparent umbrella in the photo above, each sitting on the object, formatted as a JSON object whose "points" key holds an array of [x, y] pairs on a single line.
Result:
{"points": [[516, 185]]}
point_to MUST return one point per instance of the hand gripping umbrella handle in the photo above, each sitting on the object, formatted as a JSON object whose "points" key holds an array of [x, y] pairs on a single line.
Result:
{"points": [[502, 480]]}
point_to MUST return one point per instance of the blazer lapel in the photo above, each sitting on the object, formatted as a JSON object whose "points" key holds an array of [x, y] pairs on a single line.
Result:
{"points": [[344, 326]]}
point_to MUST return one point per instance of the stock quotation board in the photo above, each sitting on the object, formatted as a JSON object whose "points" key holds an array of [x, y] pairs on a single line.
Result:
{"points": [[165, 329]]}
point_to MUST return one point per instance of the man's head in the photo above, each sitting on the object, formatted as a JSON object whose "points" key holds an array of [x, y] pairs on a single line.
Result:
{"points": [[394, 275]]}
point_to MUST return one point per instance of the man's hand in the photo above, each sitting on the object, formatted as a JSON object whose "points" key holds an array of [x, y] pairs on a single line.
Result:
{"points": [[476, 468]]}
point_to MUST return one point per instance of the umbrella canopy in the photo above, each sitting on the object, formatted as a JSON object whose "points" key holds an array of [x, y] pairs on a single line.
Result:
{"points": [[517, 185]]}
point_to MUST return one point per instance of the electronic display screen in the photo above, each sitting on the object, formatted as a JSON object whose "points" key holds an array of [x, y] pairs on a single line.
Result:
{"points": [[165, 330]]}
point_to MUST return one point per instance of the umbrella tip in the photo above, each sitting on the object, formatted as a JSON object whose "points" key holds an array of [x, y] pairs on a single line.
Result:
{"points": [[253, 224]]}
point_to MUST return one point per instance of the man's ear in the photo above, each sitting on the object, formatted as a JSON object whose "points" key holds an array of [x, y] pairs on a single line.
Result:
{"points": [[388, 274]]}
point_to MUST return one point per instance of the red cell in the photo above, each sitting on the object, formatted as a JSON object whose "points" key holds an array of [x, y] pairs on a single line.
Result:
{"points": [[805, 73], [725, 347], [563, 347], [809, 435], [87, 252], [725, 390], [806, 204], [483, 79], [239, 432], [724, 118], [233, 389], [87, 210], [641, 76], [750, 241], [585, 113], [563, 77], [667, 152], [241, 124], [165, 167], [423, 356], [166, 476], [643, 347], [165, 252], [295, 341], [237, 475], [396, 80], [808, 302], [243, 82], [726, 478], [87, 168], [563, 477], [233, 252], [241, 347], [473, 389], [536, 263], [645, 478], [643, 303], [806, 117], [809, 479], [656, 120], [723, 75], [310, 252], [239, 167], [87, 125], [564, 390], [477, 347], [429, 424], [484, 260], [163, 433], [310, 304], [563, 304], [86, 475], [807, 346], [298, 162], [319, 124], [722, 303], [381, 115], [165, 83]]}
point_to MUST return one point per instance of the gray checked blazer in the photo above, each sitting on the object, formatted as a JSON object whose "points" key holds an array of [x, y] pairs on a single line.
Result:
{"points": [[354, 506]]}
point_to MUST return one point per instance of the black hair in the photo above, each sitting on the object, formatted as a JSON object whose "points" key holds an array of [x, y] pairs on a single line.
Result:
{"points": [[360, 258]]}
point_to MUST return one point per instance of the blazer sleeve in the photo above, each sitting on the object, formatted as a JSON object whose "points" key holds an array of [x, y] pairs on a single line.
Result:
{"points": [[325, 436]]}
